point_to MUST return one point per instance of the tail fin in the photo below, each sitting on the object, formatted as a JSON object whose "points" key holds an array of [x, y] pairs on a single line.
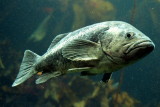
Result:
{"points": [[26, 68]]}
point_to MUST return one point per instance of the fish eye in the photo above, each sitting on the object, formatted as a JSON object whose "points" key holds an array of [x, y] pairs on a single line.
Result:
{"points": [[129, 35]]}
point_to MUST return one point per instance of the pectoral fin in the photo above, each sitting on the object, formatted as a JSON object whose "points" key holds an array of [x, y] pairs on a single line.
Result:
{"points": [[82, 50], [106, 77]]}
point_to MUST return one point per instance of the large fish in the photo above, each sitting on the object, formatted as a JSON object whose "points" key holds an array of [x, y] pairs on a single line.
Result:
{"points": [[100, 48]]}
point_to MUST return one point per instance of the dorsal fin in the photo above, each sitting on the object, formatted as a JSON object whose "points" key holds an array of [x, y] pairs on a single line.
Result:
{"points": [[56, 40]]}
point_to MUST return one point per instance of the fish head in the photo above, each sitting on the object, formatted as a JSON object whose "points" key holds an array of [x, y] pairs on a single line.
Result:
{"points": [[125, 44]]}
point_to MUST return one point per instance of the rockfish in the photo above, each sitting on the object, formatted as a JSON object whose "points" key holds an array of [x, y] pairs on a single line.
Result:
{"points": [[100, 48]]}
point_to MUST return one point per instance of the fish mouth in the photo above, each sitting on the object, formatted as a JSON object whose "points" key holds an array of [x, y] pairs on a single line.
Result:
{"points": [[140, 49], [140, 44]]}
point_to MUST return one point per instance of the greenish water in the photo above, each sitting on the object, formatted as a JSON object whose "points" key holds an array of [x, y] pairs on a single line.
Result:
{"points": [[21, 28]]}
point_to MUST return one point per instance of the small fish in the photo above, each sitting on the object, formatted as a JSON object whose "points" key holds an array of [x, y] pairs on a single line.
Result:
{"points": [[41, 30], [1, 64], [100, 48]]}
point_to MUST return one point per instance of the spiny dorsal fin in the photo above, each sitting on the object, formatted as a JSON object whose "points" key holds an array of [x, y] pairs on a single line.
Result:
{"points": [[56, 40]]}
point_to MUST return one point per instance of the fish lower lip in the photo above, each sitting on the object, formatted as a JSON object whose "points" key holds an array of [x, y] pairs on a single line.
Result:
{"points": [[141, 44]]}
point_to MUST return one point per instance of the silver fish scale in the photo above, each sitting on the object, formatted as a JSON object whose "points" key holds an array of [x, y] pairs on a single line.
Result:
{"points": [[78, 34]]}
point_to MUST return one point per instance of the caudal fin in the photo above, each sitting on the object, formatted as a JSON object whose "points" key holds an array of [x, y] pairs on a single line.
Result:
{"points": [[26, 68]]}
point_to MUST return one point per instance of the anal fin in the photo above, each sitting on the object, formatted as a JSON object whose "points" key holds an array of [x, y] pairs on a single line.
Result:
{"points": [[46, 76]]}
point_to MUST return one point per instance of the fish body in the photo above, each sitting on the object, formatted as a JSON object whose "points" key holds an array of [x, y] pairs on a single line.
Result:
{"points": [[100, 48]]}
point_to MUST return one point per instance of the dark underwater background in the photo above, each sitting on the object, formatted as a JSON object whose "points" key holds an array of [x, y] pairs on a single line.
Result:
{"points": [[32, 24]]}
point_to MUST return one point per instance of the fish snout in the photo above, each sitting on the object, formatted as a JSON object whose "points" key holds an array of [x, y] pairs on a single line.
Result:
{"points": [[139, 49]]}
